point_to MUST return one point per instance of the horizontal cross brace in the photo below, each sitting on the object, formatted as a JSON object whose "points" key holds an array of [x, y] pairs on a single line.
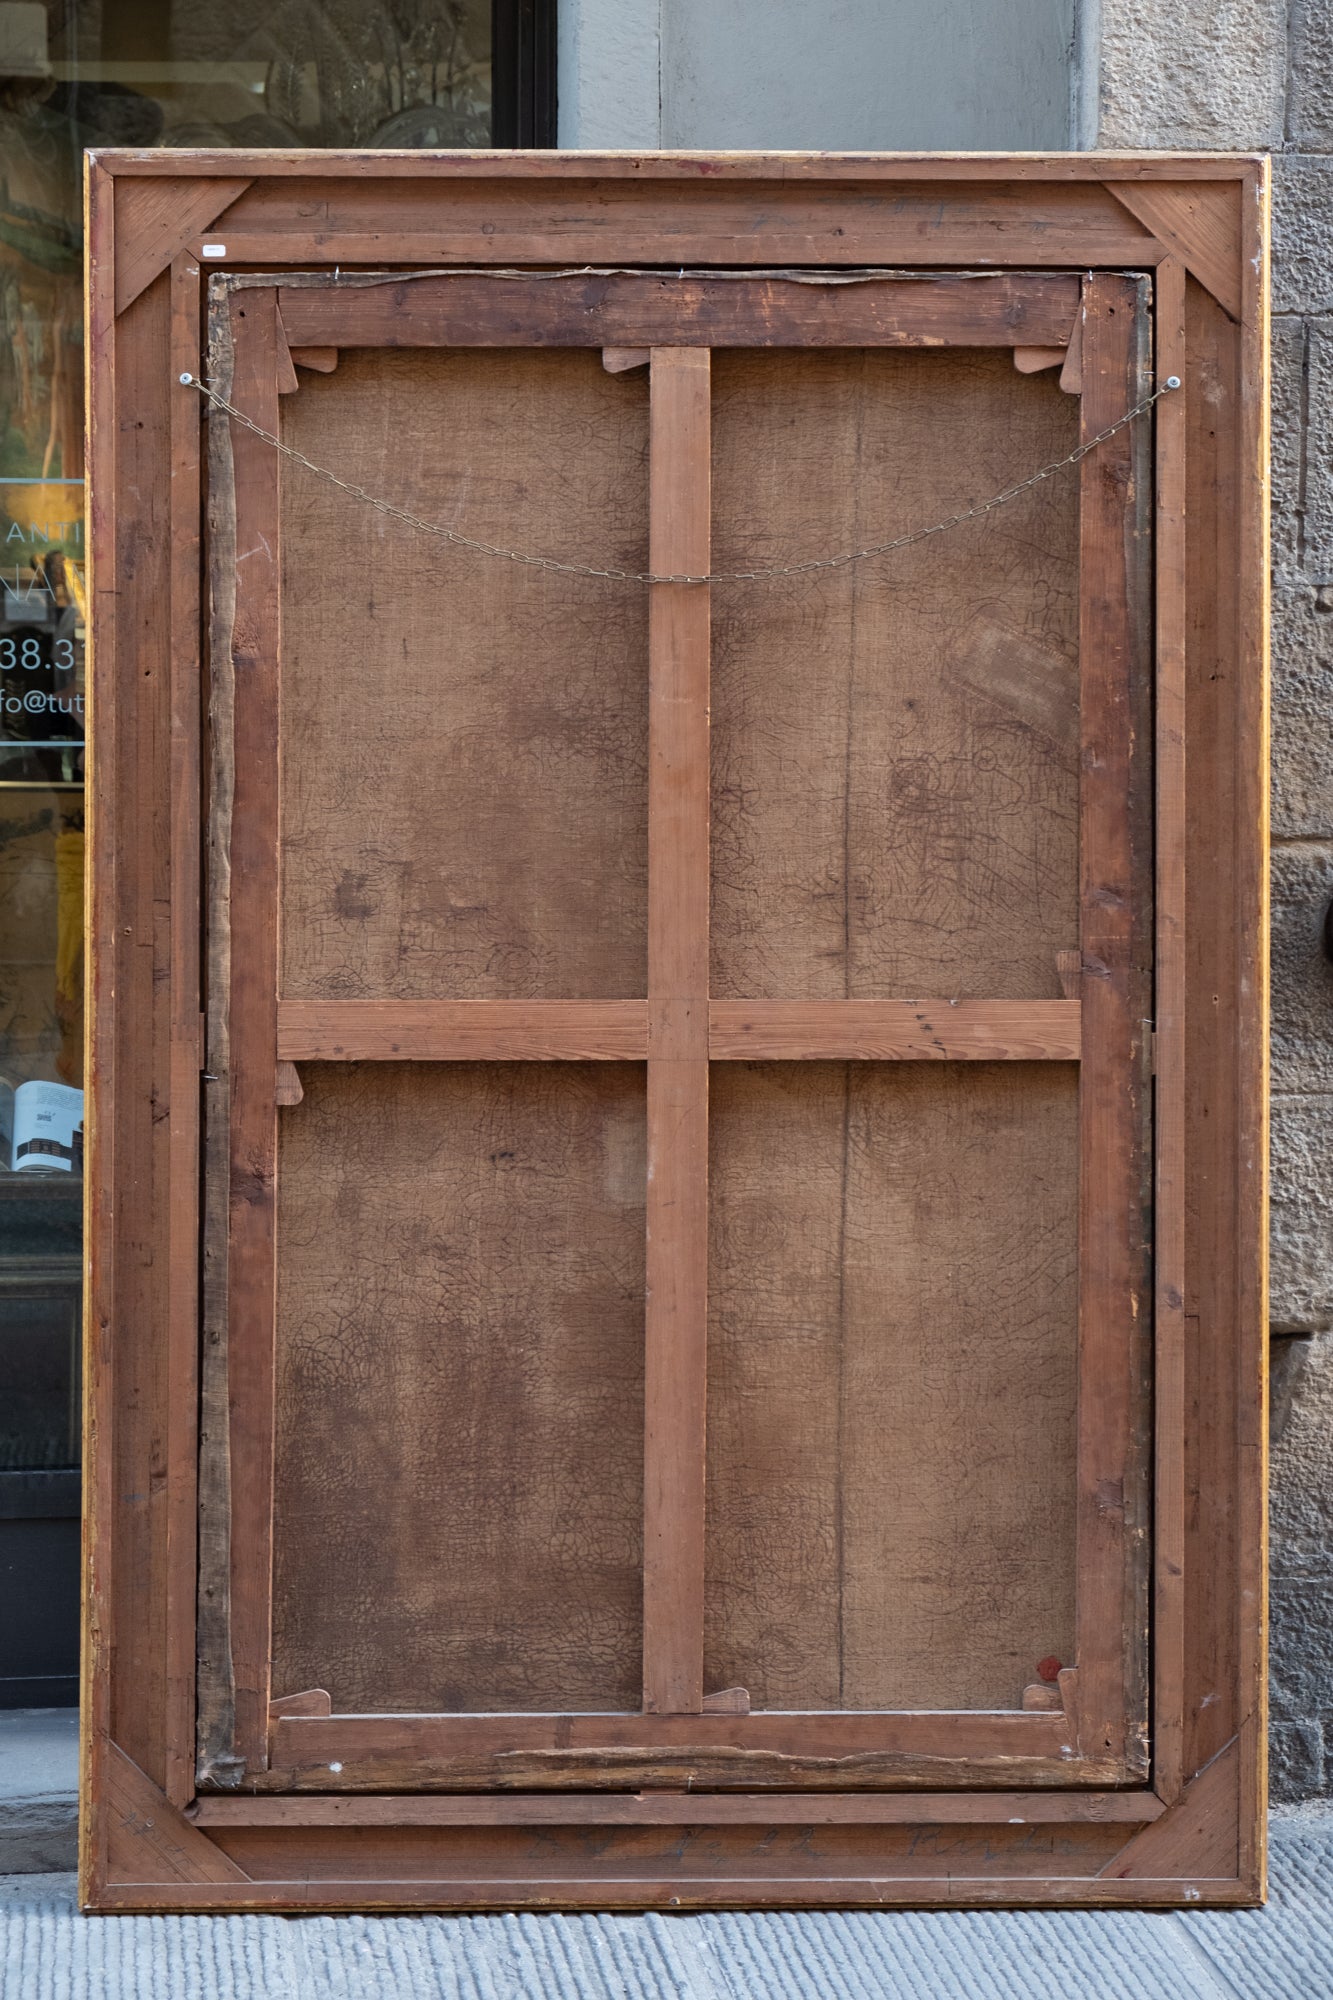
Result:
{"points": [[767, 1809], [697, 308], [738, 1030]]}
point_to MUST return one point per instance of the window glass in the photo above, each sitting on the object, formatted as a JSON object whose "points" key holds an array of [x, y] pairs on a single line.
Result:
{"points": [[75, 74]]}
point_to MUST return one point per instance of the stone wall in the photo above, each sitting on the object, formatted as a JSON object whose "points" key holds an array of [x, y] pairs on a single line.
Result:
{"points": [[1250, 75]]}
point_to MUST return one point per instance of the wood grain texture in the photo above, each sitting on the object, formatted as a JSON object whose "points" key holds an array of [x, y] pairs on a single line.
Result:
{"points": [[155, 221], [585, 1752], [462, 1030], [1115, 1191], [1071, 375], [132, 1413], [101, 1596], [895, 1030], [616, 360], [1197, 1836], [895, 774], [1200, 226], [312, 1701], [891, 1414], [677, 1809], [696, 1868], [241, 1149], [1252, 1026], [680, 219], [678, 888], [215, 1718], [465, 685], [187, 1051], [1170, 990], [460, 1387], [1069, 968], [1032, 172], [323, 360], [287, 1089], [629, 311], [285, 366], [449, 1887], [1225, 957], [150, 1840], [1032, 360], [130, 1047], [255, 647]]}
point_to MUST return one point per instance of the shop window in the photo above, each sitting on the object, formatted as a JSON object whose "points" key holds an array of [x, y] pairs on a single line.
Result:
{"points": [[402, 74]]}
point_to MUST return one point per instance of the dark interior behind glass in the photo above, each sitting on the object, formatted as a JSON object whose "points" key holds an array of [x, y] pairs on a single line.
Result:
{"points": [[76, 74]]}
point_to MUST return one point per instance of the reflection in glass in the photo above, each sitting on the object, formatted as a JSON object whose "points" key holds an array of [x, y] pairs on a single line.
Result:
{"points": [[77, 74], [39, 1343]]}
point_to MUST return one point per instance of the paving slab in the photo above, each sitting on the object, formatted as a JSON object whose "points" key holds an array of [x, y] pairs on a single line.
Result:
{"points": [[39, 1786], [1283, 1952]]}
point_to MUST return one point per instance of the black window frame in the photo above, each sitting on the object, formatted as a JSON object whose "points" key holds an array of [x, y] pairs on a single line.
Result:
{"points": [[523, 73]]}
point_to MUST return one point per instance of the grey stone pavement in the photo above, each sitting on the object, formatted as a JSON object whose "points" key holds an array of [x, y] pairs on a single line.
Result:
{"points": [[48, 1952], [39, 1789]]}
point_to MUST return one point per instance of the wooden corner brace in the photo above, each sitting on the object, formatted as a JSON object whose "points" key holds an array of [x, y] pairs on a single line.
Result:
{"points": [[323, 360], [1195, 1837], [156, 220], [149, 1840], [311, 1701], [1199, 222], [1033, 360], [287, 1085]]}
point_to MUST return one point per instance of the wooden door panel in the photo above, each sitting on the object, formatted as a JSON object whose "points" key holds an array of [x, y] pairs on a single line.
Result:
{"points": [[519, 1507]]}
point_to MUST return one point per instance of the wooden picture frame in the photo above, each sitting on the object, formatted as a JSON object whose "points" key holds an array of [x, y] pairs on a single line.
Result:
{"points": [[1136, 1776]]}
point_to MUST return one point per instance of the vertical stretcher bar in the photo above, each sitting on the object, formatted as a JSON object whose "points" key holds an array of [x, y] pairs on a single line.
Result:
{"points": [[239, 1248], [1169, 1498], [1116, 895], [677, 1246]]}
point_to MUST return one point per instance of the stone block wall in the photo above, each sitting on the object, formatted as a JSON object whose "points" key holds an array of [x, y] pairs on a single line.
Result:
{"points": [[1242, 75]]}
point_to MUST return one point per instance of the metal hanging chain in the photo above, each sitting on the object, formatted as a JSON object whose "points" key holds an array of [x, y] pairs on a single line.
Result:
{"points": [[461, 541]]}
